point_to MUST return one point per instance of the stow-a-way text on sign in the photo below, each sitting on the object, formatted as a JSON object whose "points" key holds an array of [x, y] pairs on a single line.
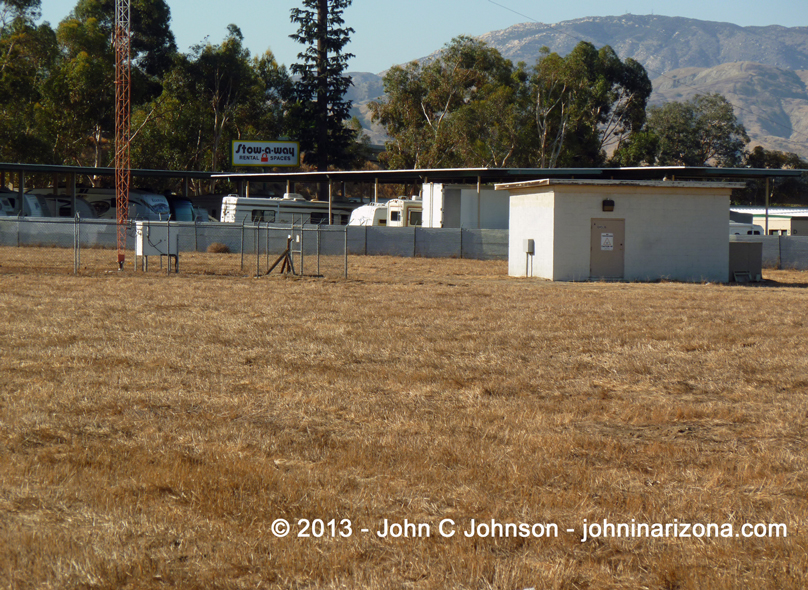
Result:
{"points": [[266, 153]]}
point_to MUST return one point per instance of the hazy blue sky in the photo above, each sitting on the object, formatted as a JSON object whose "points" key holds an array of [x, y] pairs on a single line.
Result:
{"points": [[389, 32]]}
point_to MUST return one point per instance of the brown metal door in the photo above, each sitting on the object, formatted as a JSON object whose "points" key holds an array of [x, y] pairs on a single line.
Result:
{"points": [[606, 257]]}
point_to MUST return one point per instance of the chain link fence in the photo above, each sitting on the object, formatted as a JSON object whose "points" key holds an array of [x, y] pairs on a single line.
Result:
{"points": [[89, 246]]}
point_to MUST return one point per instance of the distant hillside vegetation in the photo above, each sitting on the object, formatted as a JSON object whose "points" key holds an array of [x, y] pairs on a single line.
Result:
{"points": [[771, 102]]}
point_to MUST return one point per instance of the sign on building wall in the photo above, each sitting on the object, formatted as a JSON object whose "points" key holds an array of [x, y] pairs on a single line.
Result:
{"points": [[266, 153]]}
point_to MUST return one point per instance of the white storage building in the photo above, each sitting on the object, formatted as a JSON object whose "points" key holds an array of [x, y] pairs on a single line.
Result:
{"points": [[573, 230], [462, 206]]}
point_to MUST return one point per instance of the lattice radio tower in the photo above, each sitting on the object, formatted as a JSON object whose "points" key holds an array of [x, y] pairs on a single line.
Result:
{"points": [[123, 105]]}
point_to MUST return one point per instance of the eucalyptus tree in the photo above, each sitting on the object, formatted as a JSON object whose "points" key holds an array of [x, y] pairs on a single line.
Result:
{"points": [[78, 96], [216, 93], [469, 106], [702, 131], [586, 104], [459, 109], [27, 55]]}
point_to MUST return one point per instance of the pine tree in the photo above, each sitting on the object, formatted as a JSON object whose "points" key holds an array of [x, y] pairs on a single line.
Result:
{"points": [[322, 110]]}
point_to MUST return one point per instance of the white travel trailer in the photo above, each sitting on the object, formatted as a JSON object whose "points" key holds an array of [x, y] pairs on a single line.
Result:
{"points": [[292, 208], [745, 229], [31, 205], [6, 208], [401, 212], [370, 214]]}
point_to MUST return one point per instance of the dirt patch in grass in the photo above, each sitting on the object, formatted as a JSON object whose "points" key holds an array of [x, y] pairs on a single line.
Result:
{"points": [[153, 428]]}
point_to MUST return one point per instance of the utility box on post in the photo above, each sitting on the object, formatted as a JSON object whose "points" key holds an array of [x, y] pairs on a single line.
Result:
{"points": [[156, 238]]}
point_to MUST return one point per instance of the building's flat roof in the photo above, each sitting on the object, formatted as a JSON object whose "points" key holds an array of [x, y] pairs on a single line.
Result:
{"points": [[548, 182]]}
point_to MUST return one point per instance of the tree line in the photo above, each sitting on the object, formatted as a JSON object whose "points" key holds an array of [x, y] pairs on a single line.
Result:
{"points": [[466, 107], [57, 90]]}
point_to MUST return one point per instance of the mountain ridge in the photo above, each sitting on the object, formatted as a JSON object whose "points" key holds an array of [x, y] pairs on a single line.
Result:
{"points": [[762, 70]]}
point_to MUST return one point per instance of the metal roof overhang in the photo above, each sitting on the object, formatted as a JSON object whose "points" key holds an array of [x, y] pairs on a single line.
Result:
{"points": [[97, 171], [440, 175], [505, 175]]}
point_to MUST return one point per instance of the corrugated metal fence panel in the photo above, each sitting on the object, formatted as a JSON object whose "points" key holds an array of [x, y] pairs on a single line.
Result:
{"points": [[391, 241], [437, 243], [485, 244], [794, 252], [101, 234], [357, 240], [213, 233], [8, 231], [332, 240]]}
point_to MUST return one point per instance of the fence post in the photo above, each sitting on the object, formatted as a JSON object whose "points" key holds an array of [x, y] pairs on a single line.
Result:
{"points": [[461, 242], [168, 246], [319, 229], [266, 248], [779, 252], [257, 249], [76, 245], [196, 241], [345, 250], [242, 242], [302, 247]]}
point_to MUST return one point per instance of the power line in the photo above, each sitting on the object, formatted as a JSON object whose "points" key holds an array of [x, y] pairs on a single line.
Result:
{"points": [[658, 74]]}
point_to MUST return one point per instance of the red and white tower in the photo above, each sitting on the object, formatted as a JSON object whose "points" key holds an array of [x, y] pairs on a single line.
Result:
{"points": [[123, 104]]}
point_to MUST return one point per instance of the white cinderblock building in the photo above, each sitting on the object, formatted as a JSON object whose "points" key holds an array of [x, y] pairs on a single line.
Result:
{"points": [[573, 230]]}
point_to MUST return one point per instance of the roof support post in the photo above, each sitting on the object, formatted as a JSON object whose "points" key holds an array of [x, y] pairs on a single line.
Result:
{"points": [[766, 229], [71, 188], [18, 209], [479, 207]]}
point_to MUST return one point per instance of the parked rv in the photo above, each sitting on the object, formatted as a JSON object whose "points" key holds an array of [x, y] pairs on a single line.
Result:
{"points": [[401, 212], [61, 206], [6, 208], [31, 206], [143, 205], [292, 208], [100, 203], [370, 214]]}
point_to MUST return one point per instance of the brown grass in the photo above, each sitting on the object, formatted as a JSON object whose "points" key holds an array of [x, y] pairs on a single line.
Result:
{"points": [[153, 427]]}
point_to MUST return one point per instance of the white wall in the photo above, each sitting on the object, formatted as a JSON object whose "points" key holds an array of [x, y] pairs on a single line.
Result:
{"points": [[531, 217], [676, 232]]}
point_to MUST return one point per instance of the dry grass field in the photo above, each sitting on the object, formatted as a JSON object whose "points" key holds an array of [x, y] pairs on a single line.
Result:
{"points": [[153, 428]]}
